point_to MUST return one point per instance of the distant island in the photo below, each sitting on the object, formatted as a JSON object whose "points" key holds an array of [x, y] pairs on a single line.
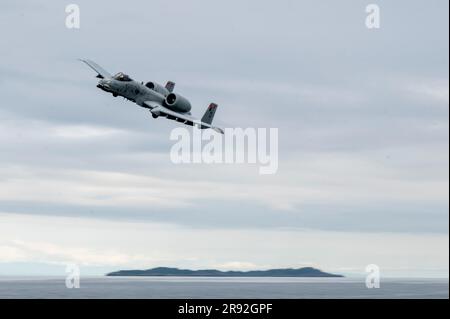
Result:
{"points": [[175, 272]]}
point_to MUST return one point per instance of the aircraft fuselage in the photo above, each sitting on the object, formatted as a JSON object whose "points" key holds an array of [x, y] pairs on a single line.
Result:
{"points": [[137, 92]]}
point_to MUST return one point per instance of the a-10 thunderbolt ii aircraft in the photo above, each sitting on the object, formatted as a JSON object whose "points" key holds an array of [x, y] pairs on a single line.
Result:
{"points": [[160, 100]]}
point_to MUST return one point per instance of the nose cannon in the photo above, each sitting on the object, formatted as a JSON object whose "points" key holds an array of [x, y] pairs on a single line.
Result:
{"points": [[105, 86]]}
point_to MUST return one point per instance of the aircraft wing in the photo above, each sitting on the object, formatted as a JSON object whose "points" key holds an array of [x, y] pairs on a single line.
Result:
{"points": [[102, 73], [160, 110]]}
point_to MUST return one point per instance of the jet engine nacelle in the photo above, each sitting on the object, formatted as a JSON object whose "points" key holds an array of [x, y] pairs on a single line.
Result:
{"points": [[177, 103], [157, 88]]}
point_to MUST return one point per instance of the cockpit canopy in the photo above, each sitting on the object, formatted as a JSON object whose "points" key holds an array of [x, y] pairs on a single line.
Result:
{"points": [[122, 77]]}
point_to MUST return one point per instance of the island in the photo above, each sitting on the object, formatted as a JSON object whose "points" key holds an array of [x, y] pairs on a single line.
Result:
{"points": [[175, 272]]}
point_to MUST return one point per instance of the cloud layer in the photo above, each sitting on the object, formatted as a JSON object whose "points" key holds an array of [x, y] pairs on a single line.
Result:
{"points": [[362, 118]]}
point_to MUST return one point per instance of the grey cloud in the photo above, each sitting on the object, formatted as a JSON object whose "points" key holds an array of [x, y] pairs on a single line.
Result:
{"points": [[404, 217]]}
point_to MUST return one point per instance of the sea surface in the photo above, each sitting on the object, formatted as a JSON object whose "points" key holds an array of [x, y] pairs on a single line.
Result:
{"points": [[203, 287]]}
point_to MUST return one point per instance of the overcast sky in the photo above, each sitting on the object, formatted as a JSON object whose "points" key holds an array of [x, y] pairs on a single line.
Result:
{"points": [[363, 120]]}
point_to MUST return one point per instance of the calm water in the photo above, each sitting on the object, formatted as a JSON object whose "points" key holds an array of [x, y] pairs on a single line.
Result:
{"points": [[179, 287]]}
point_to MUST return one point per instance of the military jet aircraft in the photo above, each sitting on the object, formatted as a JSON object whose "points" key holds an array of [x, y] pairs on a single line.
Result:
{"points": [[160, 100]]}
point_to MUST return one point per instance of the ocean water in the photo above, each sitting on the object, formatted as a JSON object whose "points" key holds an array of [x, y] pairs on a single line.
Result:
{"points": [[194, 288]]}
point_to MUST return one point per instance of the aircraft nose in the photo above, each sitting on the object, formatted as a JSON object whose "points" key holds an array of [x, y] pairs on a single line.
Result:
{"points": [[104, 85]]}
